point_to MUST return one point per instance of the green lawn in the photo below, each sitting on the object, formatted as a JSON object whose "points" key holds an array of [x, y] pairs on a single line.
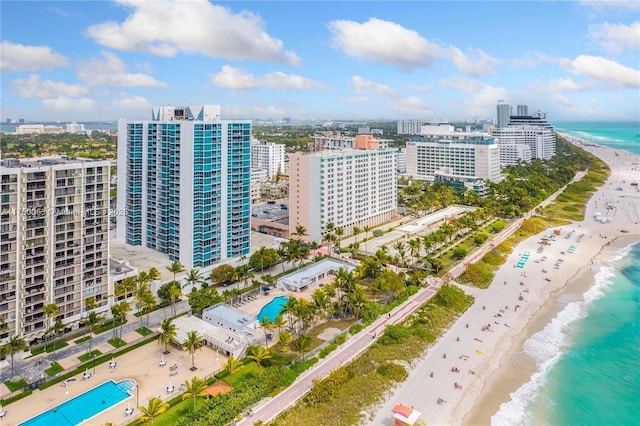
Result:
{"points": [[57, 346], [14, 386], [177, 411], [117, 342], [84, 339], [54, 369], [144, 331], [89, 356]]}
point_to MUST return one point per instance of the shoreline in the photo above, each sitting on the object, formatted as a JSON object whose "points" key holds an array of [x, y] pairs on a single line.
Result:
{"points": [[479, 361], [517, 366]]}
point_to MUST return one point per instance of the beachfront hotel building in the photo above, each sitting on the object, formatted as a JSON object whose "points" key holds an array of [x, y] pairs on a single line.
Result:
{"points": [[466, 155], [184, 184], [349, 187], [267, 156], [54, 241], [522, 129]]}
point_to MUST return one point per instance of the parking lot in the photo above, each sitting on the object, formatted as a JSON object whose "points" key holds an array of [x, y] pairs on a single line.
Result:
{"points": [[272, 210]]}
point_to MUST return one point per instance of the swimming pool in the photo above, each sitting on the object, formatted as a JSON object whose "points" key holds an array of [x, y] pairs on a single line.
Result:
{"points": [[273, 308], [84, 406]]}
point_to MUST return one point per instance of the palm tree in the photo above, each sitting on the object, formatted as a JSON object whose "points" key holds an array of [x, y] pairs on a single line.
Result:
{"points": [[122, 308], [168, 331], [366, 229], [125, 287], [302, 343], [14, 345], [90, 322], [56, 329], [153, 410], [266, 325], [301, 231], [194, 388], [282, 255], [288, 309], [175, 291], [192, 344], [232, 365], [339, 231], [149, 302], [51, 310], [356, 231], [194, 277], [279, 323], [258, 354], [285, 338], [153, 274], [175, 268]]}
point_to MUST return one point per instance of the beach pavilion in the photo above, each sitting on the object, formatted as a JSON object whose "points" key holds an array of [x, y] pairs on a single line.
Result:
{"points": [[406, 416]]}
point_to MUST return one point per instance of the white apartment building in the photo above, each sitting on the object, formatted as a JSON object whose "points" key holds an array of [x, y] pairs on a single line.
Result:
{"points": [[470, 157], [409, 127], [54, 240], [267, 156], [258, 177], [345, 187], [401, 161]]}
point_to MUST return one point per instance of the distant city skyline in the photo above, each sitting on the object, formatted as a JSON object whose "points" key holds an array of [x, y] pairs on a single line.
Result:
{"points": [[101, 61]]}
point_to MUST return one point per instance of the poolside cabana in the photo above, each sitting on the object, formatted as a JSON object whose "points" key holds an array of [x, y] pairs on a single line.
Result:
{"points": [[299, 280]]}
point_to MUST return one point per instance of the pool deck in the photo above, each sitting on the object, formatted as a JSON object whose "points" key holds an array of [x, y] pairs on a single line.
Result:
{"points": [[141, 365]]}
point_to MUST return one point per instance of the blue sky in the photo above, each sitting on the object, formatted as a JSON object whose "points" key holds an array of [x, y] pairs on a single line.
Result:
{"points": [[99, 60]]}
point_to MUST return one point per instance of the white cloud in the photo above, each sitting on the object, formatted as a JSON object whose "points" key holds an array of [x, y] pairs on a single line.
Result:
{"points": [[411, 106], [354, 100], [559, 99], [604, 70], [600, 5], [615, 38], [235, 78], [530, 60], [362, 86], [481, 97], [254, 110], [18, 57], [112, 72], [165, 28], [566, 85], [476, 63], [131, 102], [34, 87], [70, 105], [383, 41]]}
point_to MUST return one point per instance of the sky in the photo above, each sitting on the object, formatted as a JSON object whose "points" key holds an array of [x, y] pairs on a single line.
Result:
{"points": [[330, 60]]}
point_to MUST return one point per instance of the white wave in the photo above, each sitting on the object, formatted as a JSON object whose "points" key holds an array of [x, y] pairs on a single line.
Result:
{"points": [[548, 346]]}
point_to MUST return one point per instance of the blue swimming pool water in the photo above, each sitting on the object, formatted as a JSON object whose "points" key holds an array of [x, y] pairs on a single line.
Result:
{"points": [[84, 406], [273, 308]]}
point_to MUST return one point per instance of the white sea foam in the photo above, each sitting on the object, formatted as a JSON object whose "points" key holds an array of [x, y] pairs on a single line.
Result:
{"points": [[547, 346]]}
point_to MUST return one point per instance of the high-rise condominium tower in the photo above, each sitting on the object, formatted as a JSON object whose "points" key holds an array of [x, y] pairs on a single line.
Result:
{"points": [[54, 242], [184, 184], [503, 113]]}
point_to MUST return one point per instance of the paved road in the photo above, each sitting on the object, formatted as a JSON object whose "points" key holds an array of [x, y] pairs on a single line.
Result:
{"points": [[343, 355]]}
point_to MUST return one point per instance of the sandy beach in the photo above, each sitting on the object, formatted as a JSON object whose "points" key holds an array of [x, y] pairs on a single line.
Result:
{"points": [[476, 364]]}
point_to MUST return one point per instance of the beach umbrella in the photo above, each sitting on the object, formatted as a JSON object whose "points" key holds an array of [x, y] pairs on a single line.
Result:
{"points": [[479, 352]]}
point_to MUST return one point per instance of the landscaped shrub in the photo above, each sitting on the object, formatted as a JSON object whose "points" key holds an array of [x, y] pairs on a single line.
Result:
{"points": [[393, 371], [378, 233], [459, 253], [356, 328], [340, 339], [480, 238]]}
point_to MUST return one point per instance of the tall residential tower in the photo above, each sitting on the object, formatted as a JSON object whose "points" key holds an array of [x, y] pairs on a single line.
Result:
{"points": [[54, 241], [184, 184]]}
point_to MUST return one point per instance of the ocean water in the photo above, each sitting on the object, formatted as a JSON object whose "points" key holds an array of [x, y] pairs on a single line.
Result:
{"points": [[623, 135], [588, 368]]}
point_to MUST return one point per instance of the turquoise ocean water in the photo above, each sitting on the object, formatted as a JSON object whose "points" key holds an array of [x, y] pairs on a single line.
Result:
{"points": [[588, 356]]}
